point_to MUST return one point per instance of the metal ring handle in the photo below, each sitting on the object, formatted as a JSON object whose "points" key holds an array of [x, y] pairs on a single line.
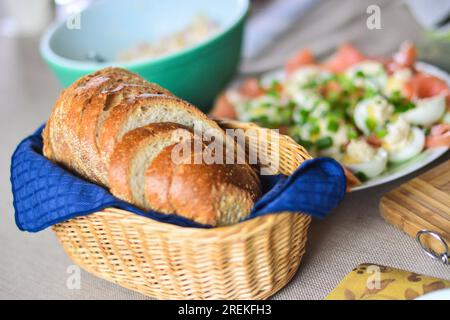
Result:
{"points": [[444, 257]]}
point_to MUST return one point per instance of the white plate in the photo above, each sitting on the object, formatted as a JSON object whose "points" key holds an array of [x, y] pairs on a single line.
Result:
{"points": [[396, 171]]}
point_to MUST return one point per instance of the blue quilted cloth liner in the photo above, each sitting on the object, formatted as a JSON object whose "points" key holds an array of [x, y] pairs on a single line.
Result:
{"points": [[46, 194]]}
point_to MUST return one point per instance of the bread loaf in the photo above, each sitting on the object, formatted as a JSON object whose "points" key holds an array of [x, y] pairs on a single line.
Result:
{"points": [[214, 194], [133, 153], [116, 129]]}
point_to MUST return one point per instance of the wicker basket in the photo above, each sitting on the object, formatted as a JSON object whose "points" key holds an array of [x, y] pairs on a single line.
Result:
{"points": [[249, 260]]}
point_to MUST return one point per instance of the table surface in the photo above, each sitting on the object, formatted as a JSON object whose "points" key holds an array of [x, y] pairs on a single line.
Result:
{"points": [[34, 266]]}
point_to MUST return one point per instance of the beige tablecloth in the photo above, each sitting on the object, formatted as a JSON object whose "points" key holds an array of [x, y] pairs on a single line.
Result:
{"points": [[35, 266]]}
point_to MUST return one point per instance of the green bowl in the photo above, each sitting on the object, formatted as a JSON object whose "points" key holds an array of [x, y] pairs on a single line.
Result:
{"points": [[196, 74]]}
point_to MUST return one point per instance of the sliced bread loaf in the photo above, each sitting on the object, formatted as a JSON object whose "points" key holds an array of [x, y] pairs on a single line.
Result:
{"points": [[150, 108], [213, 194], [132, 154]]}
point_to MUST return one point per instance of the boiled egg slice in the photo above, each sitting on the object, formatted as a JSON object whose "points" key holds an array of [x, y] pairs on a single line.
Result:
{"points": [[397, 81], [372, 112], [311, 101], [360, 157], [339, 138], [427, 111], [259, 107], [370, 74], [306, 76], [403, 142], [446, 118]]}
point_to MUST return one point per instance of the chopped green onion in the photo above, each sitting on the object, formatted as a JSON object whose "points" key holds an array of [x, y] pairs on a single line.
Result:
{"points": [[407, 105], [310, 84], [400, 103], [305, 143], [304, 114], [315, 129], [361, 176], [285, 113], [332, 96], [333, 125], [324, 143], [352, 134], [381, 133], [273, 89], [360, 74], [272, 93], [313, 120], [371, 124], [291, 105], [263, 120], [396, 95], [370, 93]]}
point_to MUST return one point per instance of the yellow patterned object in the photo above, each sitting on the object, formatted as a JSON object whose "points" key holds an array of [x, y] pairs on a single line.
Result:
{"points": [[374, 282], [249, 260]]}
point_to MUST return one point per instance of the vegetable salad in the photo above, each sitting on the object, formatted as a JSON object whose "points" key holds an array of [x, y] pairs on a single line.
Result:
{"points": [[365, 112]]}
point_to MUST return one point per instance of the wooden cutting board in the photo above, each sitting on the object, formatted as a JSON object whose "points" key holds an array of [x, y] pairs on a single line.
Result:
{"points": [[422, 203]]}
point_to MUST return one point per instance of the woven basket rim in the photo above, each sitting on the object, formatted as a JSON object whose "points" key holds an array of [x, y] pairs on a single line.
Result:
{"points": [[247, 227]]}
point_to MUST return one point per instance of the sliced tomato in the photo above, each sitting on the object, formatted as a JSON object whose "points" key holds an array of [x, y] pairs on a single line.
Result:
{"points": [[374, 141], [439, 136], [439, 129], [251, 88], [223, 108], [352, 180], [302, 58], [406, 56], [344, 57], [438, 141], [382, 60], [331, 86], [424, 85]]}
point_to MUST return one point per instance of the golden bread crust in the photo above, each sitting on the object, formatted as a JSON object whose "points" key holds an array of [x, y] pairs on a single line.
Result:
{"points": [[126, 150], [213, 194]]}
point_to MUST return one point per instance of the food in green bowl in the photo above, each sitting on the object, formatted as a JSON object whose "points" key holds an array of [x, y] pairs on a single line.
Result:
{"points": [[196, 72]]}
